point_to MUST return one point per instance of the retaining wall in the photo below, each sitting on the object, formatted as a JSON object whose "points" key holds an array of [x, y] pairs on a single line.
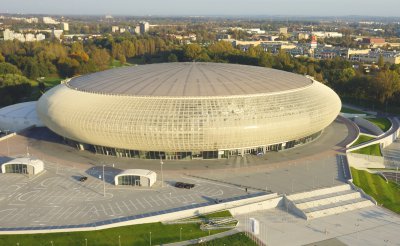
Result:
{"points": [[368, 125], [383, 141], [262, 205]]}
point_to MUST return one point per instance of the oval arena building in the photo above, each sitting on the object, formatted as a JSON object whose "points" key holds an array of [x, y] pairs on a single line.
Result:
{"points": [[188, 110]]}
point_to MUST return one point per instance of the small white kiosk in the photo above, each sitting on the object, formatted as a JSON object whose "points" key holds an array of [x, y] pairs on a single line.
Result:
{"points": [[23, 165], [136, 177]]}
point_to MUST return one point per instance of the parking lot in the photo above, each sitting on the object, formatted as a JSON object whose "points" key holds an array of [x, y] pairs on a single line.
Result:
{"points": [[57, 197]]}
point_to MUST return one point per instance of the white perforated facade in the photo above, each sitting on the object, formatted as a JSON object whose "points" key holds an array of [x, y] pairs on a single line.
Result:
{"points": [[189, 126]]}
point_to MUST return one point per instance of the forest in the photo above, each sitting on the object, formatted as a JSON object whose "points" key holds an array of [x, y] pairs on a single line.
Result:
{"points": [[24, 65]]}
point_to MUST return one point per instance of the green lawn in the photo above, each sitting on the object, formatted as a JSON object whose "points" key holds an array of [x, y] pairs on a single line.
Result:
{"points": [[351, 111], [130, 235], [238, 239], [374, 185], [374, 149], [362, 139], [382, 123], [223, 213], [117, 63]]}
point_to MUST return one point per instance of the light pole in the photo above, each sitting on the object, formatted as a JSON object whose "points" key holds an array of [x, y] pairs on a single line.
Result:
{"points": [[180, 234], [292, 185], [119, 240], [85, 241], [8, 146], [162, 174], [150, 238], [104, 182], [357, 225]]}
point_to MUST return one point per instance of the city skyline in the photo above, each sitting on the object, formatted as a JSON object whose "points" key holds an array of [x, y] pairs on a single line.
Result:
{"points": [[385, 8]]}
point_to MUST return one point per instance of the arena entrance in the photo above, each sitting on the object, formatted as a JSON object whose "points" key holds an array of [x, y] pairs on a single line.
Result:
{"points": [[136, 177], [18, 168], [129, 180]]}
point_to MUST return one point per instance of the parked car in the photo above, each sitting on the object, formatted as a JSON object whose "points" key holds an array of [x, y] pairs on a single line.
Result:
{"points": [[83, 178], [184, 185]]}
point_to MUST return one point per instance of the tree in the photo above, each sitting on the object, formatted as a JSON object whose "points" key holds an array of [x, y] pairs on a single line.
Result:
{"points": [[121, 59], [116, 50], [381, 62], [386, 84], [31, 69], [101, 58], [172, 58], [192, 51], [68, 67], [128, 48], [14, 88], [7, 68], [220, 48]]}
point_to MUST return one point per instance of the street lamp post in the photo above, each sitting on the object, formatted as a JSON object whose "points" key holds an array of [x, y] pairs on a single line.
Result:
{"points": [[8, 146], [162, 174], [292, 186], [104, 182]]}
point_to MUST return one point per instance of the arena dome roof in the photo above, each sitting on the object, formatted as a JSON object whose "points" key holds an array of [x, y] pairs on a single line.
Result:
{"points": [[189, 79]]}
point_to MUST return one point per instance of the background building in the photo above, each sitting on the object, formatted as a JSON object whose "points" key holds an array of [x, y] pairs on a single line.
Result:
{"points": [[65, 26], [50, 21], [188, 110], [144, 27]]}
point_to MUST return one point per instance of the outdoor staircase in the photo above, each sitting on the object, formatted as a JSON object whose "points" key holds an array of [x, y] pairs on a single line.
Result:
{"points": [[327, 201]]}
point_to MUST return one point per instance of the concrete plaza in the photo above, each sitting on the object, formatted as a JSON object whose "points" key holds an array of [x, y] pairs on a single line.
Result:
{"points": [[368, 226]]}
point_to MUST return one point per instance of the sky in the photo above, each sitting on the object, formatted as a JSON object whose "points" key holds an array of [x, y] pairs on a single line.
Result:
{"points": [[204, 7]]}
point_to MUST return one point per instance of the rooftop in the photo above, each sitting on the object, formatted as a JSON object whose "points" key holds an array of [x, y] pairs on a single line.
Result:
{"points": [[189, 79]]}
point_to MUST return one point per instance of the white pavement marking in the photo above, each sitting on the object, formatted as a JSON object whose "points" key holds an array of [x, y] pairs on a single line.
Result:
{"points": [[121, 210], [73, 212], [162, 200], [141, 204], [64, 212], [147, 202], [167, 197], [129, 209], [133, 204], [154, 201]]}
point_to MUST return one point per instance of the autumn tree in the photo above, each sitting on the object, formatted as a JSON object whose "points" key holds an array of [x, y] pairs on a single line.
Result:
{"points": [[101, 58], [386, 84], [192, 51]]}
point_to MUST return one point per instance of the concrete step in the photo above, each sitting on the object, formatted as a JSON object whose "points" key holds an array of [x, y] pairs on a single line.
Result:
{"points": [[337, 208], [319, 192], [334, 205], [329, 200], [323, 196]]}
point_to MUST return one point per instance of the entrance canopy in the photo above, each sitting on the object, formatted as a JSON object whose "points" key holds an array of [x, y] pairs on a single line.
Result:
{"points": [[136, 177], [23, 165]]}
